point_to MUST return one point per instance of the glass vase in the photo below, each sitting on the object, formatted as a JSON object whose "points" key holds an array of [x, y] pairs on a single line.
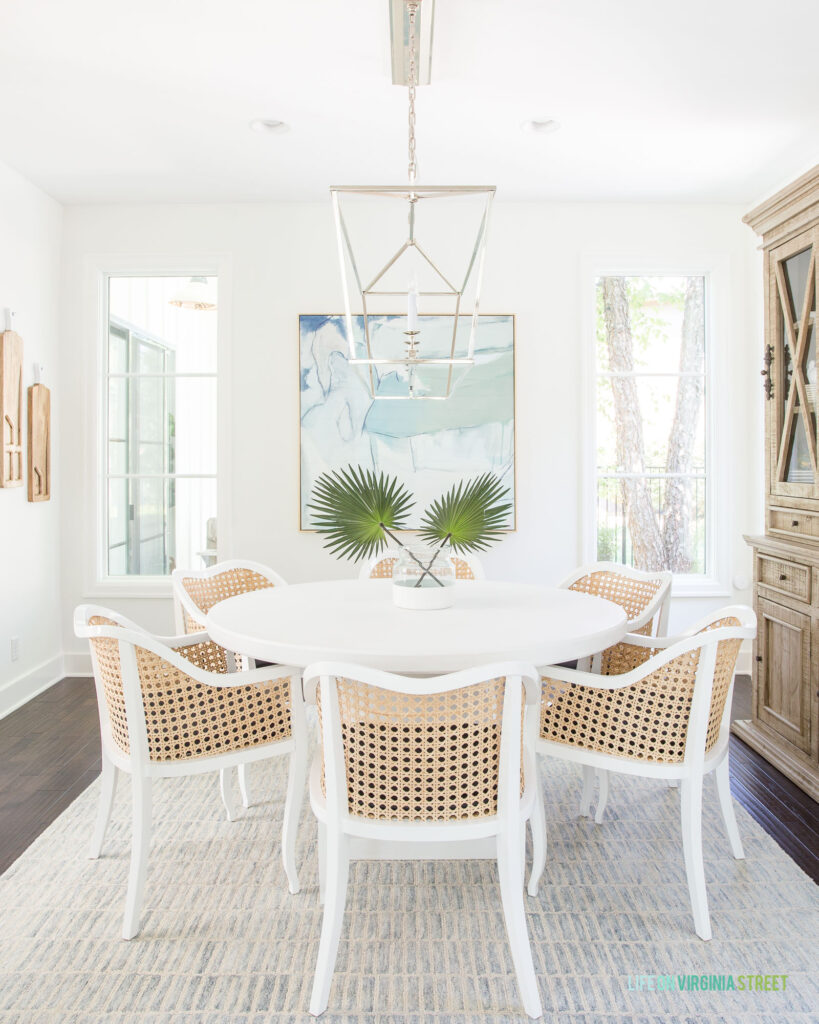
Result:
{"points": [[424, 577]]}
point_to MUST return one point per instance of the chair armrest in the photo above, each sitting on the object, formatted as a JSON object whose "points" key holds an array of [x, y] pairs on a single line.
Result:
{"points": [[186, 639], [567, 675], [255, 676], [668, 650], [656, 642], [592, 680], [168, 649]]}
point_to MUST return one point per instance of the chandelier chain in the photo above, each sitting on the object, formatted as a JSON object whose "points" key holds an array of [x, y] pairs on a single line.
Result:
{"points": [[412, 9]]}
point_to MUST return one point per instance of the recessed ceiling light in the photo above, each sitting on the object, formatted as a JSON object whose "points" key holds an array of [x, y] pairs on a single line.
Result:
{"points": [[544, 126], [269, 125]]}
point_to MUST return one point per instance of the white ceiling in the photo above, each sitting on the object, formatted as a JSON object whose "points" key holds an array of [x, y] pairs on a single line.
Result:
{"points": [[115, 101]]}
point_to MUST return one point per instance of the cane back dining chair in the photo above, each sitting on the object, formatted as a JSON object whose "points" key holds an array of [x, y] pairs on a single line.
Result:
{"points": [[411, 760], [664, 715], [646, 599], [195, 592], [168, 708], [381, 567], [219, 659]]}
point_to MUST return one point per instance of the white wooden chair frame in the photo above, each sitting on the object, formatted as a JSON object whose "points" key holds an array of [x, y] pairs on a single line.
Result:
{"points": [[143, 770], [365, 573], [184, 603], [656, 612], [695, 765], [338, 829]]}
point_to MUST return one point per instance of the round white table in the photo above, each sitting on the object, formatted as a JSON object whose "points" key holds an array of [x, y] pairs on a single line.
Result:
{"points": [[356, 621]]}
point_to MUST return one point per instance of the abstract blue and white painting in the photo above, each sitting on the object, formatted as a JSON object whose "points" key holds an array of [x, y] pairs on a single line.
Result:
{"points": [[428, 445]]}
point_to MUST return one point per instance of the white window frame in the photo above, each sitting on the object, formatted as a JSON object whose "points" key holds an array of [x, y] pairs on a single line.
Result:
{"points": [[131, 334], [715, 271], [98, 271]]}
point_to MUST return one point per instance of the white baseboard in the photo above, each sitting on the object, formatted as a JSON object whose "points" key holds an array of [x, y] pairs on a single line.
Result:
{"points": [[20, 690], [77, 663], [744, 658]]}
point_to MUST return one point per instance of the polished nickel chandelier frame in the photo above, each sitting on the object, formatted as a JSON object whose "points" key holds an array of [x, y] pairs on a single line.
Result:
{"points": [[374, 368]]}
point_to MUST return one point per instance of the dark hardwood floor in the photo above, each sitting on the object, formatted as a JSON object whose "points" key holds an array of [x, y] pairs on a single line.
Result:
{"points": [[50, 752], [780, 807]]}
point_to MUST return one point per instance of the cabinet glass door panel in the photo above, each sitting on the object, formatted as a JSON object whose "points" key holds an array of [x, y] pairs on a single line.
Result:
{"points": [[799, 467], [797, 270], [794, 436]]}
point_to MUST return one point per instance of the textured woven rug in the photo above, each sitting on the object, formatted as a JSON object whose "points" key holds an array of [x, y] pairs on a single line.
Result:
{"points": [[223, 942]]}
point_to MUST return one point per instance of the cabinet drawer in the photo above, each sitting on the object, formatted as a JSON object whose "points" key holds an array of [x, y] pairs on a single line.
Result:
{"points": [[787, 577], [794, 522]]}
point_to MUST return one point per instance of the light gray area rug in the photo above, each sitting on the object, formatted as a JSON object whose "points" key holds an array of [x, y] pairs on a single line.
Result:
{"points": [[223, 942]]}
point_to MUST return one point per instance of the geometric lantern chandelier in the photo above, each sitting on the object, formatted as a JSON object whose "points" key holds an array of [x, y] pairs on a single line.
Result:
{"points": [[411, 267], [196, 294]]}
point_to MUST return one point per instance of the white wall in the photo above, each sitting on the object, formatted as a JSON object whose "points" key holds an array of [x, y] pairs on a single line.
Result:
{"points": [[30, 230], [282, 262]]}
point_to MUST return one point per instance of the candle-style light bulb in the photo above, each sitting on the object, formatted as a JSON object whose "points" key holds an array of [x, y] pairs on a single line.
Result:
{"points": [[412, 308]]}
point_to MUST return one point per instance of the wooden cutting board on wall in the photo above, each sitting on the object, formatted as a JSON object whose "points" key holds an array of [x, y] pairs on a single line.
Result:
{"points": [[11, 408], [39, 443]]}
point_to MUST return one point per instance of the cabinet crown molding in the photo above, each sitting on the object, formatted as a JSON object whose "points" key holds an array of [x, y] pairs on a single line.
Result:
{"points": [[788, 211]]}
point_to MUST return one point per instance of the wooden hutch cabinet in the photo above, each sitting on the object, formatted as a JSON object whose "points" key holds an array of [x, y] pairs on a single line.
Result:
{"points": [[784, 727]]}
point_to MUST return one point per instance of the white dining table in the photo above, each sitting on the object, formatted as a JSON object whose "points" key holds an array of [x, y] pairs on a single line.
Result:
{"points": [[355, 621]]}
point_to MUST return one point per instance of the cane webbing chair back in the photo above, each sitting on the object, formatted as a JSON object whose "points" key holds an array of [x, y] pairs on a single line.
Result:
{"points": [[109, 671], [633, 595], [648, 719], [623, 657], [205, 591], [384, 567], [185, 718], [463, 570], [636, 593], [207, 655], [430, 757], [727, 654]]}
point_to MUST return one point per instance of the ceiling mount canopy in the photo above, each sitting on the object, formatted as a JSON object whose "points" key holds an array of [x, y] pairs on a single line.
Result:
{"points": [[411, 264], [400, 42]]}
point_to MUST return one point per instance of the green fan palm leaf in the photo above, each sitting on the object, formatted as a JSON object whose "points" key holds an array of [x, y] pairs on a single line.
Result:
{"points": [[352, 506], [470, 515]]}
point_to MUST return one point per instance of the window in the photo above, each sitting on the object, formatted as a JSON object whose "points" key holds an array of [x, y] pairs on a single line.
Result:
{"points": [[160, 429], [652, 452]]}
